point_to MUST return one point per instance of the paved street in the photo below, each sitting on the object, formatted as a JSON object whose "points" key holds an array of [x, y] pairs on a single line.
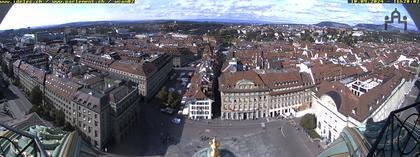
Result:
{"points": [[411, 98], [17, 103], [157, 136]]}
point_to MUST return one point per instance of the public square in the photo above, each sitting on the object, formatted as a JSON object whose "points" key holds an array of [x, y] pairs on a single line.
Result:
{"points": [[156, 135]]}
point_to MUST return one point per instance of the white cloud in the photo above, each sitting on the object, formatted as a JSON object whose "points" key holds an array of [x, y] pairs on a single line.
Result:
{"points": [[301, 5], [375, 8], [294, 11]]}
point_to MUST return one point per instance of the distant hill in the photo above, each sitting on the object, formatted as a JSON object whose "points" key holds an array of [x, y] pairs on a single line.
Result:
{"points": [[91, 23], [375, 27], [366, 26], [333, 24], [232, 21]]}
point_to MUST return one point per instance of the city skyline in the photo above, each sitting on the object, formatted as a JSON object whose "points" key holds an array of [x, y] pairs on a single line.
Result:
{"points": [[124, 86], [287, 11]]}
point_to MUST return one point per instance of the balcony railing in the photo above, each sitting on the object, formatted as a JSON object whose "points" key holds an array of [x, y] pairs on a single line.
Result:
{"points": [[400, 134], [14, 142]]}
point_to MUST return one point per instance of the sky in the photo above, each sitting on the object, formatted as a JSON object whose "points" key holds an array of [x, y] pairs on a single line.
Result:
{"points": [[277, 11]]}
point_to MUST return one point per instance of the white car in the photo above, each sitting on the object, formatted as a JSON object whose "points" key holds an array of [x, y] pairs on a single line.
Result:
{"points": [[176, 121]]}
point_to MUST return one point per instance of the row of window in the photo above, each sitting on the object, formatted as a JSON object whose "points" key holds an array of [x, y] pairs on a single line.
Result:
{"points": [[246, 94], [200, 103], [200, 112], [244, 107], [88, 129], [200, 107]]}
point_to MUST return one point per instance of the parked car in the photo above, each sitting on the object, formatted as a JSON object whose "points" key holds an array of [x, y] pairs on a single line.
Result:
{"points": [[171, 89], [167, 110], [176, 120]]}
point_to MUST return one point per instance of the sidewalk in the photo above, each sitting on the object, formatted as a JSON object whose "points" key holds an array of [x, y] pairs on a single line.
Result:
{"points": [[312, 144], [232, 123]]}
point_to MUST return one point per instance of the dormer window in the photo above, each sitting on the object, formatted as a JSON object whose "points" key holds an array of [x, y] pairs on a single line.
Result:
{"points": [[354, 111]]}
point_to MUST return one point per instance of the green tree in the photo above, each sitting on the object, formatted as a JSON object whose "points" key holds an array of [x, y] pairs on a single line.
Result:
{"points": [[308, 121], [4, 68], [16, 81], [348, 40], [36, 96], [51, 114], [1, 95], [173, 99], [68, 127], [45, 112], [163, 94], [34, 109], [59, 118]]}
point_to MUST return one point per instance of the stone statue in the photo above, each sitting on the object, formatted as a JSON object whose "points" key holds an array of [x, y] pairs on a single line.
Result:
{"points": [[214, 145]]}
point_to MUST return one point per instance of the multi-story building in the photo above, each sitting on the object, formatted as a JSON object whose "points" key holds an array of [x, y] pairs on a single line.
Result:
{"points": [[257, 94], [57, 93], [35, 59], [150, 75], [28, 55], [289, 92], [352, 101], [124, 103], [92, 116], [104, 109], [198, 103], [200, 108], [28, 75], [95, 61]]}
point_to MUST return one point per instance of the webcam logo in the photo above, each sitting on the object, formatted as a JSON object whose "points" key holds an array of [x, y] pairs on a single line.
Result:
{"points": [[395, 15]]}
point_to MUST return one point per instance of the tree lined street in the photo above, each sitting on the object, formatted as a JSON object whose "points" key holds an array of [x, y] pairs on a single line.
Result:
{"points": [[17, 103]]}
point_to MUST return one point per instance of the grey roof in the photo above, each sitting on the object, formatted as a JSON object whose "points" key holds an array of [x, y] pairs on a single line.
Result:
{"points": [[90, 99], [119, 93]]}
